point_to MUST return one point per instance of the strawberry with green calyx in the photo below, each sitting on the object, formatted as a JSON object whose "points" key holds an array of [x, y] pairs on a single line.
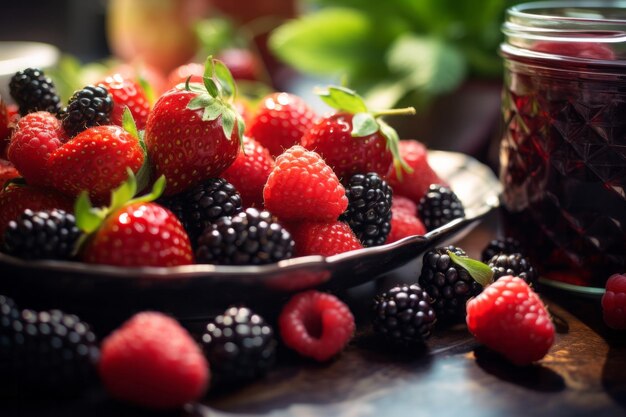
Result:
{"points": [[131, 231], [194, 131], [355, 140]]}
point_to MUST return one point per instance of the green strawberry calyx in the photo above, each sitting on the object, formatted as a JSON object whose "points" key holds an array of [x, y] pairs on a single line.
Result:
{"points": [[480, 272], [129, 125], [366, 122], [216, 97]]}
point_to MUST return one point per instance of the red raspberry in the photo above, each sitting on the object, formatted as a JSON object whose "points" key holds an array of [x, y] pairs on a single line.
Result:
{"points": [[509, 317], [614, 302], [153, 362], [127, 93], [316, 325], [36, 136], [7, 172], [250, 171], [324, 239], [280, 121], [404, 224], [405, 204], [302, 187], [415, 184]]}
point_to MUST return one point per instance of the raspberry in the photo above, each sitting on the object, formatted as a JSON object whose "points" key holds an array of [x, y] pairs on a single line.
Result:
{"points": [[614, 302], [91, 106], [324, 239], [414, 185], [509, 318], [302, 187], [498, 246], [250, 171], [405, 204], [153, 362], [439, 206], [280, 121], [127, 93], [404, 224], [316, 325], [36, 136]]}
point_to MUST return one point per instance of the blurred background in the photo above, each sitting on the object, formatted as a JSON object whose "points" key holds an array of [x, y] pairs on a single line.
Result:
{"points": [[437, 55]]}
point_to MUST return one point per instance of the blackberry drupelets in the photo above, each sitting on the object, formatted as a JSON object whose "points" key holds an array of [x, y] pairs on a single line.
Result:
{"points": [[513, 264], [404, 314], [239, 345], [498, 246], [33, 91], [369, 208], [50, 234], [250, 237], [439, 206], [448, 284], [91, 106]]}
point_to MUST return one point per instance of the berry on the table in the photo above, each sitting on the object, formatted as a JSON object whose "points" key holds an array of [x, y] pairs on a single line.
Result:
{"points": [[33, 91], [325, 239], [404, 224], [251, 237], [514, 264], [127, 93], [152, 361], [404, 314], [498, 246], [91, 106], [302, 187], [369, 208], [50, 234], [614, 302], [439, 206], [316, 325], [239, 345]]}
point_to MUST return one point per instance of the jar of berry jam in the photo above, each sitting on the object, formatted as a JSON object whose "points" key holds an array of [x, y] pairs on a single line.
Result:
{"points": [[563, 152]]}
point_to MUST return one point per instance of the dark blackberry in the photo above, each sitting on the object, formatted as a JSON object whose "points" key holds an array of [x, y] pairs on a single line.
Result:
{"points": [[439, 206], [50, 234], [8, 314], [203, 204], [497, 246], [513, 264], [449, 285], [33, 91], [250, 237], [51, 351], [88, 107], [369, 208], [239, 345], [404, 314]]}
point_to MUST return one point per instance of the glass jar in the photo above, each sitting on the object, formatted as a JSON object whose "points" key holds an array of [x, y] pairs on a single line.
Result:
{"points": [[563, 151]]}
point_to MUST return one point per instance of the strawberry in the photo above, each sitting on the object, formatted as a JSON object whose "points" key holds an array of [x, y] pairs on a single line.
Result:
{"points": [[195, 133], [414, 184], [132, 232], [37, 135], [7, 172], [324, 239], [127, 93], [280, 121], [302, 187], [180, 74], [242, 63], [5, 128], [404, 224], [354, 140], [250, 171]]}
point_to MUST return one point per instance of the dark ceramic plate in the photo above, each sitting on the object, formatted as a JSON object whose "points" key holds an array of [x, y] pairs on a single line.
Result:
{"points": [[191, 291]]}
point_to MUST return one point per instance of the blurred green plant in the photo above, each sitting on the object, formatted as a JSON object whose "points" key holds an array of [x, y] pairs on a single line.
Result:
{"points": [[395, 50]]}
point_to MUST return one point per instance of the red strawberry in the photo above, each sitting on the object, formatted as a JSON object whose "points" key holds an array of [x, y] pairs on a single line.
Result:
{"points": [[37, 135], [96, 160], [152, 361], [193, 135], [404, 224], [404, 204], [14, 199], [614, 302], [302, 186], [7, 172], [324, 239], [127, 93], [250, 171], [414, 184], [280, 121], [179, 75], [5, 128], [242, 63]]}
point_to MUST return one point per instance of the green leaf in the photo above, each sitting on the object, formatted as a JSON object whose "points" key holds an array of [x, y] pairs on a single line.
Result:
{"points": [[363, 124], [481, 273], [241, 128], [128, 123], [200, 101], [213, 110], [225, 78], [88, 219], [211, 87], [125, 192], [147, 89], [393, 143], [343, 99], [228, 122], [157, 190]]}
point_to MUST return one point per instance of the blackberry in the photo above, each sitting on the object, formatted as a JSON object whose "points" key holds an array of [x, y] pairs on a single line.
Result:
{"points": [[449, 285], [88, 107], [48, 234], [239, 345], [203, 204], [8, 314], [513, 264], [497, 246], [51, 351], [369, 208], [33, 91], [404, 314], [250, 237], [439, 206]]}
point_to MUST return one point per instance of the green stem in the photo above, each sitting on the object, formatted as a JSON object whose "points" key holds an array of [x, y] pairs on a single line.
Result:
{"points": [[407, 111]]}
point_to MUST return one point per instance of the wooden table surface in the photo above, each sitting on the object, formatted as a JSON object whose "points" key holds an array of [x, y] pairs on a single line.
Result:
{"points": [[583, 375]]}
